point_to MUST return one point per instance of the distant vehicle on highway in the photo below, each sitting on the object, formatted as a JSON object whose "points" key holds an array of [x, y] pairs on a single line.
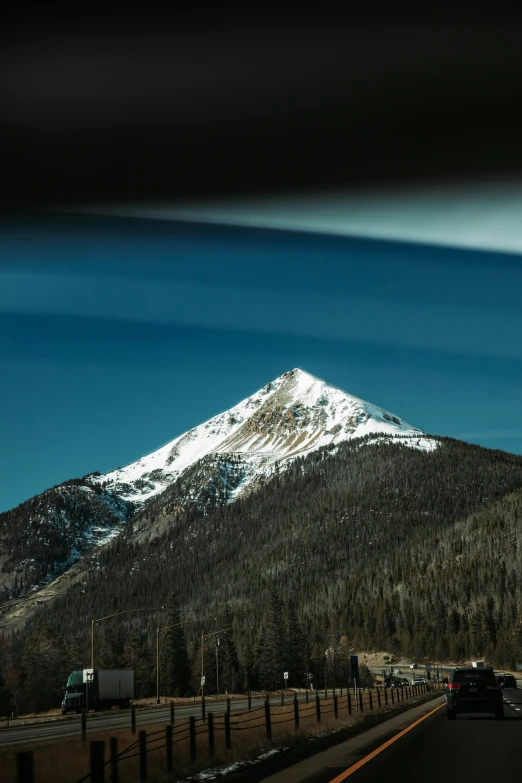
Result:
{"points": [[473, 689], [477, 664], [413, 666], [394, 683], [397, 671], [108, 688], [508, 681]]}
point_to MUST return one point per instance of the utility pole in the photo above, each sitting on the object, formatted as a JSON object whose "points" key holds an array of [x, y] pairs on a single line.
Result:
{"points": [[157, 666], [202, 669], [217, 666]]}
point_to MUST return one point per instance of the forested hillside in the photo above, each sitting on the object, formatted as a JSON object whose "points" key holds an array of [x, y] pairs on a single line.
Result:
{"points": [[365, 546]]}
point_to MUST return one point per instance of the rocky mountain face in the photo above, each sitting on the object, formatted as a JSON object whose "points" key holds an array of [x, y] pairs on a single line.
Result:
{"points": [[290, 417], [230, 456], [40, 538]]}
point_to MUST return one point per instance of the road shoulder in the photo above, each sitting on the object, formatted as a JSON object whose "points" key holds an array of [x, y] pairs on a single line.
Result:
{"points": [[347, 752]]}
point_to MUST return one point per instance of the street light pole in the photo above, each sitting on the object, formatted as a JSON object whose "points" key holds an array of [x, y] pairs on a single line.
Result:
{"points": [[157, 666], [217, 667], [202, 669]]}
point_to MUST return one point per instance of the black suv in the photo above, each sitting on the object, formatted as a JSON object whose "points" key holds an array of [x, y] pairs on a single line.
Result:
{"points": [[508, 681], [473, 690]]}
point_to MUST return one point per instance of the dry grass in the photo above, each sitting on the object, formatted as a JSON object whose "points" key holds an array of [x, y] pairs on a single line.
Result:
{"points": [[67, 761]]}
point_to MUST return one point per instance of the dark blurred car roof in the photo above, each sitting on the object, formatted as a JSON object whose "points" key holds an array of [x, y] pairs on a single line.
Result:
{"points": [[98, 100]]}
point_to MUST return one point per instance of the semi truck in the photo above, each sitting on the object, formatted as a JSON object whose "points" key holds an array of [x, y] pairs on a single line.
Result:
{"points": [[98, 689]]}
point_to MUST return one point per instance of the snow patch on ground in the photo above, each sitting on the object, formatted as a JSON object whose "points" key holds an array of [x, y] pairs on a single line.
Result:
{"points": [[219, 772]]}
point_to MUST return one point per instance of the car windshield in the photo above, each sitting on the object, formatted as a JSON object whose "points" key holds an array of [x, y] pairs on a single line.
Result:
{"points": [[472, 675]]}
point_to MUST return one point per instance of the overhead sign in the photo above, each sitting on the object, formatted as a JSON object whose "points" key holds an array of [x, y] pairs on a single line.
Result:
{"points": [[88, 675], [354, 667]]}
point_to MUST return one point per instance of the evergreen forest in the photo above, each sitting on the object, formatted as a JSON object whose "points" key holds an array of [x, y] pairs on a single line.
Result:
{"points": [[361, 547]]}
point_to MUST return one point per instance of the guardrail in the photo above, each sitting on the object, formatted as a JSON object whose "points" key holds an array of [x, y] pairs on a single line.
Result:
{"points": [[222, 727]]}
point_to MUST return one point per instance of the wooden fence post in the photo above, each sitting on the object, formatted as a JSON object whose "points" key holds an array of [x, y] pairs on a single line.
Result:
{"points": [[296, 712], [133, 719], [211, 745], [172, 713], [203, 709], [170, 761], [84, 727], [267, 720], [192, 728], [25, 766], [97, 762], [361, 701], [378, 698], [143, 756], [228, 742], [392, 691], [282, 698], [317, 707], [386, 695], [336, 711], [371, 700], [307, 695], [349, 703], [249, 700], [228, 705], [113, 742]]}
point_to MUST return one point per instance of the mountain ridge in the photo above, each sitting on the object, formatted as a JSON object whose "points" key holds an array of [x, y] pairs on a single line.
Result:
{"points": [[226, 457], [288, 417]]}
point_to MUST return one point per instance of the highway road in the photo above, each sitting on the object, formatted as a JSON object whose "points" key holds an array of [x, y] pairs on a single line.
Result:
{"points": [[475, 748], [64, 728]]}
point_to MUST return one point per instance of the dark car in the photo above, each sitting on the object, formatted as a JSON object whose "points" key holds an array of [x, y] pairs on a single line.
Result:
{"points": [[473, 690], [508, 681]]}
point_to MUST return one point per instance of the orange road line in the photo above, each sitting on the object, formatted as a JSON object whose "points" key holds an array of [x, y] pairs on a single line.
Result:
{"points": [[370, 756]]}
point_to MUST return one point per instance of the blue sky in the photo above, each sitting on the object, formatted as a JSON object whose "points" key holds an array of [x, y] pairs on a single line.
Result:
{"points": [[118, 334]]}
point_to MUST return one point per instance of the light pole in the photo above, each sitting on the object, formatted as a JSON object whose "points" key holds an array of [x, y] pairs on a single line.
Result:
{"points": [[217, 667], [116, 614], [206, 636]]}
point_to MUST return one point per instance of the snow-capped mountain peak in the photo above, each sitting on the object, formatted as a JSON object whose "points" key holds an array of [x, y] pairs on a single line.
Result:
{"points": [[290, 416]]}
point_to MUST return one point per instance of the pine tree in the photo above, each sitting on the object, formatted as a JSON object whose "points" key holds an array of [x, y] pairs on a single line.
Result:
{"points": [[227, 655], [296, 653], [175, 670], [137, 656], [274, 643]]}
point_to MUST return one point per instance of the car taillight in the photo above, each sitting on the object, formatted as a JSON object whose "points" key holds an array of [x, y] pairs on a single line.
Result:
{"points": [[453, 686]]}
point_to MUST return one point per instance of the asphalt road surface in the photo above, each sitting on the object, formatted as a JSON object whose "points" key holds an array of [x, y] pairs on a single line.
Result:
{"points": [[474, 747], [63, 728], [477, 748]]}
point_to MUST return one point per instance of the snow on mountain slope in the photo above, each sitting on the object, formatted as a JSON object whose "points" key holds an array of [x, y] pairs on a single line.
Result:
{"points": [[292, 415]]}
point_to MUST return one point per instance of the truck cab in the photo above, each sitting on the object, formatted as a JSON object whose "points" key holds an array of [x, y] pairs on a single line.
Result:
{"points": [[74, 696]]}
